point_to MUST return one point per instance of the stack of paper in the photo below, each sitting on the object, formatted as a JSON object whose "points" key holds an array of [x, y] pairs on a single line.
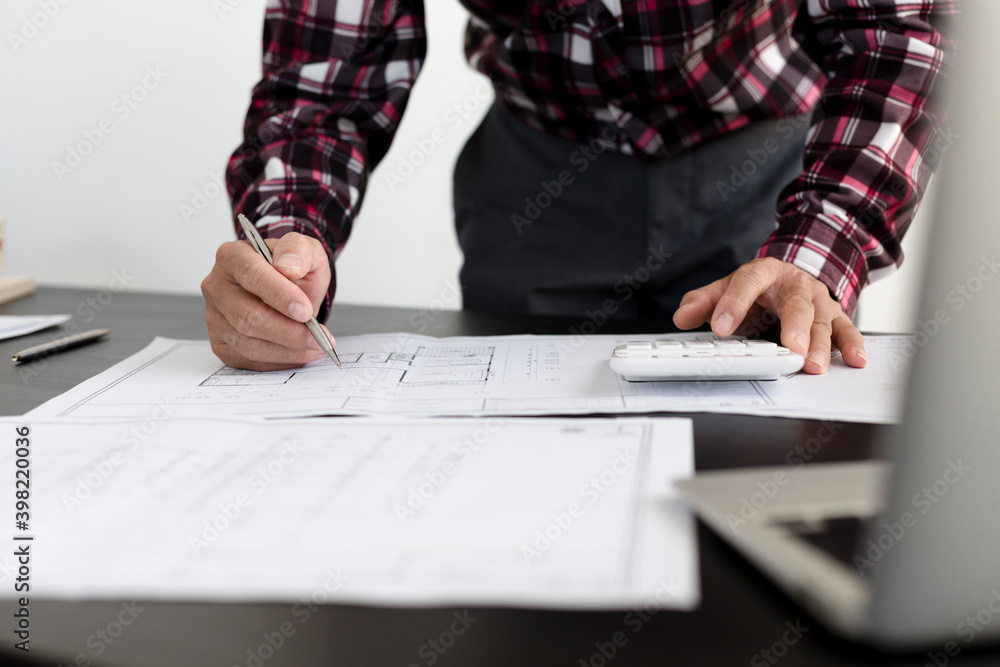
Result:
{"points": [[173, 476]]}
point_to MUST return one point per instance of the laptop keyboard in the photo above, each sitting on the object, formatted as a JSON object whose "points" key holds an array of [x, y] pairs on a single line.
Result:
{"points": [[837, 537]]}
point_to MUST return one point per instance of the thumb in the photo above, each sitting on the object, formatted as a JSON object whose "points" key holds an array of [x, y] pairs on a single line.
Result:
{"points": [[290, 257], [302, 260], [294, 255]]}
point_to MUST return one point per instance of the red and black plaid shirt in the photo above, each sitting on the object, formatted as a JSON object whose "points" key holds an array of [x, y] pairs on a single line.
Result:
{"points": [[654, 76]]}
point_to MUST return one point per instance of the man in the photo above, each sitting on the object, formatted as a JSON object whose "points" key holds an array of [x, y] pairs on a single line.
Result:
{"points": [[633, 158]]}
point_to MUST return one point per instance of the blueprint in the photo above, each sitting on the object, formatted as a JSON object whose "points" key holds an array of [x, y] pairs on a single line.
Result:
{"points": [[554, 513], [396, 374]]}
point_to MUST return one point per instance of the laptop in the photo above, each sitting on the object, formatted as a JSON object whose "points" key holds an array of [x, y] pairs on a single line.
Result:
{"points": [[904, 552]]}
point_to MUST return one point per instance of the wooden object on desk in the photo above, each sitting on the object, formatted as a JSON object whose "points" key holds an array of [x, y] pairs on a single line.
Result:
{"points": [[15, 287], [12, 287]]}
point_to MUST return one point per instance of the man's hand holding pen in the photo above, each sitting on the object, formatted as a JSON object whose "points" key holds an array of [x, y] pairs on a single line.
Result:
{"points": [[256, 313]]}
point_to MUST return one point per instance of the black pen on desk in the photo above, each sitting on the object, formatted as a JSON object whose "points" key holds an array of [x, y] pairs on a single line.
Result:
{"points": [[60, 344], [257, 241]]}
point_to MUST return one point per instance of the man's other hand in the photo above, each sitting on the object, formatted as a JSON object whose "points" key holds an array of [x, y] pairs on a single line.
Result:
{"points": [[811, 321], [255, 312]]}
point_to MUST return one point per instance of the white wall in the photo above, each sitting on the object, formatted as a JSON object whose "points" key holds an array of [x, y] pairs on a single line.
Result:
{"points": [[120, 209]]}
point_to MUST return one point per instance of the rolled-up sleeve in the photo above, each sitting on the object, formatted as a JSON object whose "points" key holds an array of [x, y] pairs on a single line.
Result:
{"points": [[336, 78], [874, 140]]}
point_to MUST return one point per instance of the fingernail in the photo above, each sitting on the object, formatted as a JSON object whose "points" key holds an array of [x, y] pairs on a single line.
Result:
{"points": [[819, 359], [683, 306], [298, 312], [289, 261], [799, 339], [724, 324], [860, 351]]}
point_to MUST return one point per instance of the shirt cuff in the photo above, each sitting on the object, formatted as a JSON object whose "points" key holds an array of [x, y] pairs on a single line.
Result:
{"points": [[824, 253]]}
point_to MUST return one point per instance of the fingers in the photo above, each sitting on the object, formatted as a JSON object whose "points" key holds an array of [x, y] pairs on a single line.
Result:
{"points": [[303, 260], [818, 356], [797, 313], [250, 317], [244, 266], [849, 341], [242, 351], [746, 285], [296, 255], [811, 321], [255, 314], [230, 357], [697, 305]]}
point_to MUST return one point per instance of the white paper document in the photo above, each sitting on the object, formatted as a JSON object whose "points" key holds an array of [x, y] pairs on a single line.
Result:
{"points": [[12, 326], [396, 374], [554, 513]]}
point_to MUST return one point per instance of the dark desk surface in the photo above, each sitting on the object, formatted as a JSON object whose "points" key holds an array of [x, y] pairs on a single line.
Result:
{"points": [[741, 613]]}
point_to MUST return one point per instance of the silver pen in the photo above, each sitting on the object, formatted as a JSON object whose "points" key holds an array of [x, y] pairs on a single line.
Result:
{"points": [[67, 343], [257, 241]]}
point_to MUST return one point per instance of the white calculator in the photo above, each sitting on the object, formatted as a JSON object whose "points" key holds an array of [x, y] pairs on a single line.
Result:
{"points": [[704, 359]]}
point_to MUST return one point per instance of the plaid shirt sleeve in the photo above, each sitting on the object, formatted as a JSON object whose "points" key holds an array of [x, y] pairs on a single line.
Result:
{"points": [[336, 79], [874, 140]]}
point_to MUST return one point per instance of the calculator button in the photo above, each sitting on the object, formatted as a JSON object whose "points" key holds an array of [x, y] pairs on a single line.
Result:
{"points": [[669, 348], [698, 359], [699, 348], [761, 348], [730, 348]]}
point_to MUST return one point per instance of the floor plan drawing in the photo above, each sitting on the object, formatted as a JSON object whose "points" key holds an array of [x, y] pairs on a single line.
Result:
{"points": [[355, 496], [399, 373], [426, 366]]}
